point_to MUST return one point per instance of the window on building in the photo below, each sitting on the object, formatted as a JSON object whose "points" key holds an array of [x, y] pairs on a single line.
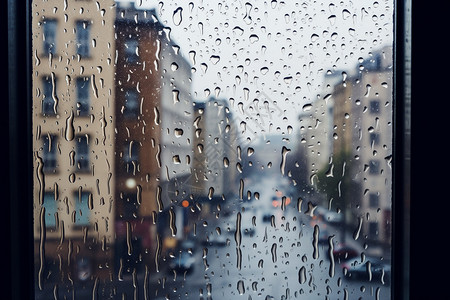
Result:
{"points": [[49, 100], [373, 229], [82, 153], [374, 138], [83, 38], [49, 153], [129, 205], [49, 36], [131, 104], [374, 106], [374, 200], [374, 166], [51, 209], [131, 50], [83, 96], [81, 211], [131, 156]]}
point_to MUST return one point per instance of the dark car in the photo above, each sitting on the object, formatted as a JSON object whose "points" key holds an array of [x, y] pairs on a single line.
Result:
{"points": [[373, 269], [323, 237], [215, 240], [182, 262], [344, 252], [183, 259]]}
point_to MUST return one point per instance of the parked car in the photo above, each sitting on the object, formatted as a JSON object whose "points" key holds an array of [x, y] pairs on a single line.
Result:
{"points": [[342, 252], [183, 259], [329, 216], [182, 262], [267, 217], [215, 240], [373, 269]]}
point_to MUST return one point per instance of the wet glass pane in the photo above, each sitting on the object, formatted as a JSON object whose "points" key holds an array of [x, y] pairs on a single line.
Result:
{"points": [[212, 150]]}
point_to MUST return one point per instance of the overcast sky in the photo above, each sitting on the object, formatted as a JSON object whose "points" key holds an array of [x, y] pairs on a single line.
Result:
{"points": [[275, 51]]}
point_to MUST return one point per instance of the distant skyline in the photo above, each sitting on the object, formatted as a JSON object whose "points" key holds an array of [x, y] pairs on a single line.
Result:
{"points": [[274, 51]]}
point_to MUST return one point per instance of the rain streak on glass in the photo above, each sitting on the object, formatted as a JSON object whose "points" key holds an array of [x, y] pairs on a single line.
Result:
{"points": [[212, 150]]}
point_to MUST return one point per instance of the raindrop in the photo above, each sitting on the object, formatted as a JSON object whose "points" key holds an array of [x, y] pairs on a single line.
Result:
{"points": [[284, 153], [178, 132], [240, 287], [210, 193], [358, 229], [307, 107], [238, 30], [226, 162], [314, 37], [176, 159], [253, 38], [72, 177], [302, 275], [157, 119], [175, 96], [70, 130], [177, 16], [172, 221], [330, 255], [332, 19], [264, 70], [192, 56], [315, 242], [273, 251], [214, 59], [238, 234]]}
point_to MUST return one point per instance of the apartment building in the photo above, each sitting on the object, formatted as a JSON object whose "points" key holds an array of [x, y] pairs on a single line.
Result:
{"points": [[218, 158], [153, 138], [363, 111], [73, 138]]}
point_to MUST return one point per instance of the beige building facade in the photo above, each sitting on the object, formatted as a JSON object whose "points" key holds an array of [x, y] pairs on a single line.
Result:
{"points": [[73, 135]]}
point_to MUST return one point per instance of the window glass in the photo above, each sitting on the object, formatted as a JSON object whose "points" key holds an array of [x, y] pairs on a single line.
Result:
{"points": [[213, 150], [49, 102], [131, 104], [49, 153], [83, 96], [49, 36], [51, 209], [82, 201], [82, 41], [82, 152]]}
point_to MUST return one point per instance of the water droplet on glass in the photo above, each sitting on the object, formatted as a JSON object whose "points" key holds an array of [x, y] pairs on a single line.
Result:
{"points": [[214, 59], [178, 132], [240, 287], [284, 153], [315, 242], [302, 275], [253, 38], [70, 130], [177, 16]]}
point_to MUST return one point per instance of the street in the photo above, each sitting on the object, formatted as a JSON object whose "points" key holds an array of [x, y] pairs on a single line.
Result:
{"points": [[275, 256]]}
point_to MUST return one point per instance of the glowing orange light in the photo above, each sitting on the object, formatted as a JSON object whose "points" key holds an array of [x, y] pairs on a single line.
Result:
{"points": [[275, 203], [185, 203], [288, 200]]}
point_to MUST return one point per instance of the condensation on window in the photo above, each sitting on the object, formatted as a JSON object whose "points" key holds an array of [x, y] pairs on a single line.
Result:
{"points": [[212, 150]]}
